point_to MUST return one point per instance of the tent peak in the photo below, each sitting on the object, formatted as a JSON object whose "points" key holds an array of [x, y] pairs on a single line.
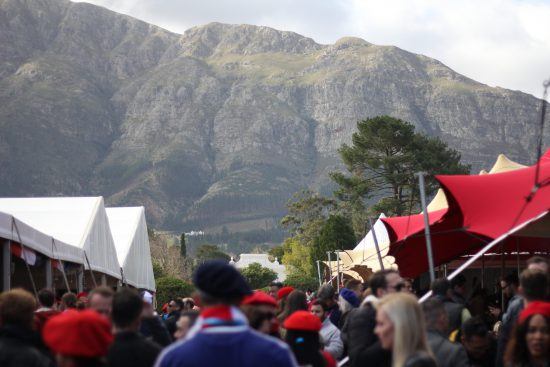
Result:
{"points": [[505, 164]]}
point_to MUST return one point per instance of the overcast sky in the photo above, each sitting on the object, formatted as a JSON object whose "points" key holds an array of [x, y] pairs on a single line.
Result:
{"points": [[502, 43]]}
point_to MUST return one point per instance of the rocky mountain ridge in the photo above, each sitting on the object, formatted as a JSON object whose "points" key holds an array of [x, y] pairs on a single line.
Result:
{"points": [[220, 125]]}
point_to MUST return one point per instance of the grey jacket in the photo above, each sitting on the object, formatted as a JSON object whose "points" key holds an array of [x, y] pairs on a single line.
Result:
{"points": [[331, 339], [446, 353]]}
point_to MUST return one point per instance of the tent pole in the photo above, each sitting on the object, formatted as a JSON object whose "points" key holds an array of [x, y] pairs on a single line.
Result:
{"points": [[502, 273], [517, 254], [6, 266], [426, 225], [329, 267], [338, 271], [91, 271], [319, 272], [49, 276], [61, 266], [482, 271], [14, 225], [484, 250], [375, 244]]}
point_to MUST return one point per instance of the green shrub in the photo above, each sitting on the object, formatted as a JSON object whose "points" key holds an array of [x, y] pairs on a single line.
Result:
{"points": [[301, 281], [257, 276], [168, 288]]}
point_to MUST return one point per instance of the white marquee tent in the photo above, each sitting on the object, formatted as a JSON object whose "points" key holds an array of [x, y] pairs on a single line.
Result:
{"points": [[129, 231], [12, 228], [78, 221]]}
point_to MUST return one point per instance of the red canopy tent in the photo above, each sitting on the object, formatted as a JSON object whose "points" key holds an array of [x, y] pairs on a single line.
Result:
{"points": [[481, 208]]}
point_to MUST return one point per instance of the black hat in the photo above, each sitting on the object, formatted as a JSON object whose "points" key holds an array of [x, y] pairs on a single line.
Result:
{"points": [[218, 279]]}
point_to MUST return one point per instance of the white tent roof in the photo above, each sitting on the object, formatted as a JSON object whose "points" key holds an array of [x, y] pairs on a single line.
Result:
{"points": [[129, 230], [78, 221], [12, 228]]}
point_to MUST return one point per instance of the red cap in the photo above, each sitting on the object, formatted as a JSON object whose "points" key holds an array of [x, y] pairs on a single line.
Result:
{"points": [[79, 334], [535, 308], [283, 292], [303, 321], [331, 362], [259, 298], [82, 294]]}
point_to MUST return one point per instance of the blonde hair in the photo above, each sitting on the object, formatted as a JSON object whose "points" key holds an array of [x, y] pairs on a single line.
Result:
{"points": [[409, 328]]}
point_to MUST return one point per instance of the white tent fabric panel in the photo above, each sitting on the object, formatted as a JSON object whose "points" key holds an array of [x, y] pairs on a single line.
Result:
{"points": [[78, 221], [367, 243], [34, 239], [129, 230]]}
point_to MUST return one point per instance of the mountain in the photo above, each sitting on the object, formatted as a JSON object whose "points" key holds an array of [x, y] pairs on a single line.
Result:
{"points": [[220, 125]]}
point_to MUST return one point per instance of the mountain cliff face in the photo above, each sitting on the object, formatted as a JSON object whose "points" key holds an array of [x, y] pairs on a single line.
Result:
{"points": [[220, 125]]}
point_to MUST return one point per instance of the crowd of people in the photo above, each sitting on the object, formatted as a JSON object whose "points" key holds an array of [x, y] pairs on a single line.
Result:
{"points": [[380, 323]]}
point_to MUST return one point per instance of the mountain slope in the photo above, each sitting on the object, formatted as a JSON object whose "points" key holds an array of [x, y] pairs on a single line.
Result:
{"points": [[220, 125]]}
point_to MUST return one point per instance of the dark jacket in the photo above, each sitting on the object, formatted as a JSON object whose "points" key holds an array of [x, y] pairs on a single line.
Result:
{"points": [[454, 311], [130, 349], [153, 329], [515, 306], [420, 360], [334, 314], [372, 356], [358, 331], [171, 323], [19, 347], [447, 354]]}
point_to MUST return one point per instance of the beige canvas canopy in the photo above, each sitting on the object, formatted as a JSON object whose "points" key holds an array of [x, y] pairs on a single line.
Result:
{"points": [[504, 164]]}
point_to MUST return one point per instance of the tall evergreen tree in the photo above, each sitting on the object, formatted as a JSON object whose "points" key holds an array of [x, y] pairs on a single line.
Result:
{"points": [[183, 246]]}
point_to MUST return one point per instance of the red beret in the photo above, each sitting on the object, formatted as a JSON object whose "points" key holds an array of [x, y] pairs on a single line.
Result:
{"points": [[535, 308], [283, 292], [303, 321], [78, 334], [259, 298]]}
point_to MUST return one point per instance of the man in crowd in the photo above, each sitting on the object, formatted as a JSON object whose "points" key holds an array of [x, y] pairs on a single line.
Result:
{"points": [[458, 290], [129, 348], [358, 331], [68, 301], [447, 354], [46, 301], [152, 326], [510, 287], [185, 323], [326, 295], [330, 334], [19, 346], [175, 306], [533, 287], [356, 286], [274, 288], [221, 336], [478, 342], [100, 300], [457, 313]]}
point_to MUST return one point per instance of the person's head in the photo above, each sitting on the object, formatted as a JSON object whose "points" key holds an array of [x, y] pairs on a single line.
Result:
{"points": [[175, 305], [296, 301], [354, 285], [326, 294], [188, 304], [458, 284], [531, 338], [261, 310], [407, 286], [318, 310], [127, 309], [46, 298], [533, 285], [302, 335], [441, 287], [185, 322], [385, 282], [68, 301], [219, 283], [274, 288], [100, 300], [538, 263], [78, 338], [435, 315], [17, 308], [509, 284], [476, 338], [348, 300], [400, 326]]}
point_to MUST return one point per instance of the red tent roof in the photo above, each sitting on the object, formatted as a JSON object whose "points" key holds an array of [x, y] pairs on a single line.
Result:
{"points": [[481, 208]]}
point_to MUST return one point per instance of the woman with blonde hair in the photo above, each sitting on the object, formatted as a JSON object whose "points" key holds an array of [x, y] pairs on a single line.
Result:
{"points": [[400, 329]]}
